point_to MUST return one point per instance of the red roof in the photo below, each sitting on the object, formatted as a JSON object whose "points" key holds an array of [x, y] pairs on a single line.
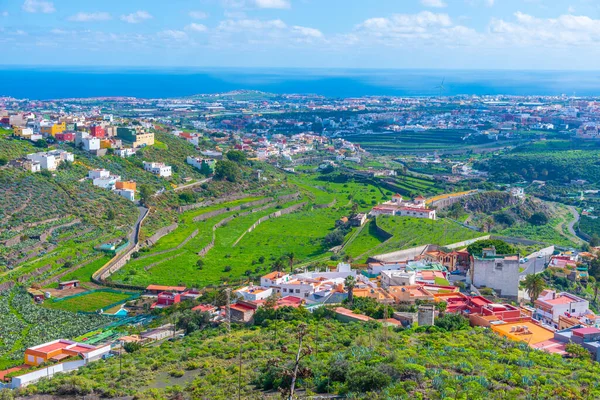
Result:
{"points": [[241, 307], [585, 331], [204, 308], [166, 288]]}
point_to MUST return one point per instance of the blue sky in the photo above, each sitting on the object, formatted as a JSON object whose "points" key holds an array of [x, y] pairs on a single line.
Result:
{"points": [[499, 34]]}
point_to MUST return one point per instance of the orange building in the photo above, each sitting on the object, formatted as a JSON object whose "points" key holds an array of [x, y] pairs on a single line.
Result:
{"points": [[57, 350], [125, 185]]}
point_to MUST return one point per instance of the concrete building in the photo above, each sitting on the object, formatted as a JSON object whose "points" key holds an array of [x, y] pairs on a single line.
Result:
{"points": [[551, 305], [90, 143], [127, 193], [203, 164], [254, 293], [135, 137], [426, 315], [497, 271], [98, 173], [159, 169], [398, 278]]}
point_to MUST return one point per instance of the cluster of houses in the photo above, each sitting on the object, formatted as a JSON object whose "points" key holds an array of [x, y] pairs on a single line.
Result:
{"points": [[94, 133], [105, 180], [398, 206], [45, 160]]}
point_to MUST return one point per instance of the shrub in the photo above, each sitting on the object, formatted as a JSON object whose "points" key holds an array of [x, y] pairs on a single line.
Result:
{"points": [[367, 379]]}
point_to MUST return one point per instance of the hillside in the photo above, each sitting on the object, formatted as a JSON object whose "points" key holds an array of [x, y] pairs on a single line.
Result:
{"points": [[348, 360]]}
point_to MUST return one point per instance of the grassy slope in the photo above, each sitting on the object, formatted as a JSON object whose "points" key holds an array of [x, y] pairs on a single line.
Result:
{"points": [[473, 363]]}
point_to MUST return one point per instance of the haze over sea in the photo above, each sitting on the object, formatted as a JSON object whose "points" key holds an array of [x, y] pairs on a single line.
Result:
{"points": [[45, 83]]}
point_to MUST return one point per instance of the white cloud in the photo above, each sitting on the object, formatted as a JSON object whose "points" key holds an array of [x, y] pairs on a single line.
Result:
{"points": [[5, 13], [250, 25], [567, 30], [434, 3], [38, 6], [308, 32], [57, 31], [280, 4], [90, 17], [173, 35], [136, 17], [424, 28], [198, 14], [196, 27], [489, 3]]}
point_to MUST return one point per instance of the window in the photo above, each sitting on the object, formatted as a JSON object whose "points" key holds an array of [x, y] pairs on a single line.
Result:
{"points": [[284, 290], [499, 266], [297, 290]]}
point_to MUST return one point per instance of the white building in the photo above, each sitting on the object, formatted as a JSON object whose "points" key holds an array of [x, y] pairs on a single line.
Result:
{"points": [[127, 193], [98, 173], [124, 153], [253, 293], [497, 271], [50, 160], [551, 305], [107, 182], [159, 169], [274, 278], [397, 278], [91, 143], [198, 162]]}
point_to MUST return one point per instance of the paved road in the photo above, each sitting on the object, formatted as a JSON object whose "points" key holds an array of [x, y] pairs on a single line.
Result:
{"points": [[574, 221], [536, 264], [189, 185]]}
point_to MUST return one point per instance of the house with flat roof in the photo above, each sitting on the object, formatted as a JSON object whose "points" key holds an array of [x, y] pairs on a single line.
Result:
{"points": [[551, 305], [587, 337], [61, 349], [497, 271], [526, 331]]}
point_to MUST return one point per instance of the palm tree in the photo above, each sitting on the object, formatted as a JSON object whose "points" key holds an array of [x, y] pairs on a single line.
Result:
{"points": [[534, 284], [291, 258], [350, 283], [277, 265]]}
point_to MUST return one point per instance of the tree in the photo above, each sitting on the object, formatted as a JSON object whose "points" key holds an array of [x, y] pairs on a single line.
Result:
{"points": [[145, 193], [300, 354], [132, 347], [291, 258], [441, 306], [534, 284], [200, 264], [577, 351], [452, 322], [277, 265], [595, 240], [501, 247], [350, 283], [227, 170], [236, 156], [187, 197], [110, 214], [538, 219], [42, 144], [334, 238]]}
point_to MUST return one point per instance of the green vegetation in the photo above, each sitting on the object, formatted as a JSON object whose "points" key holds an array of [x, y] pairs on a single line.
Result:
{"points": [[409, 141], [24, 324], [88, 301], [350, 360], [407, 232]]}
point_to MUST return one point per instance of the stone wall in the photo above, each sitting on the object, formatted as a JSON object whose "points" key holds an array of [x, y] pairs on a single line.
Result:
{"points": [[159, 234]]}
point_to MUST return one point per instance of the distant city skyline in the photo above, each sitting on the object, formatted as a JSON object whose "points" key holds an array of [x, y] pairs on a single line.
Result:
{"points": [[453, 34]]}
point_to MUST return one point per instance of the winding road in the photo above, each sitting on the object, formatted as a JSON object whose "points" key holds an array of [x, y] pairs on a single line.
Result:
{"points": [[571, 226]]}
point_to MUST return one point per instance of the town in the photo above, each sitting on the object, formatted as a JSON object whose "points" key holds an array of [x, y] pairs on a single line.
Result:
{"points": [[162, 218]]}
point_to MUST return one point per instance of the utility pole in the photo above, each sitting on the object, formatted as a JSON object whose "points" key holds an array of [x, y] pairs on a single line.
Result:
{"points": [[228, 292], [240, 375], [317, 340], [121, 361]]}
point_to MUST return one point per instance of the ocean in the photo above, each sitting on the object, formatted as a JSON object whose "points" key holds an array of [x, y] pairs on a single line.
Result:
{"points": [[44, 83]]}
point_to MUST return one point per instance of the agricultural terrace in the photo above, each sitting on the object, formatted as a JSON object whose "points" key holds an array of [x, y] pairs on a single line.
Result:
{"points": [[238, 253], [50, 225], [413, 186], [24, 324], [89, 301], [410, 141], [406, 232]]}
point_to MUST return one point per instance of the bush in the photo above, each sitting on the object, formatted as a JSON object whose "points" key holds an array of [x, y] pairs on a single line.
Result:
{"points": [[177, 373], [367, 379]]}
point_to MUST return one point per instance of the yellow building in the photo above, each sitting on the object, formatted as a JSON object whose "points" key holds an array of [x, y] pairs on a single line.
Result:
{"points": [[526, 331], [53, 129], [22, 132]]}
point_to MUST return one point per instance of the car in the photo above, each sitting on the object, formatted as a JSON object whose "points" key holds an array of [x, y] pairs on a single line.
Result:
{"points": [[540, 256], [456, 272], [522, 261], [526, 259]]}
